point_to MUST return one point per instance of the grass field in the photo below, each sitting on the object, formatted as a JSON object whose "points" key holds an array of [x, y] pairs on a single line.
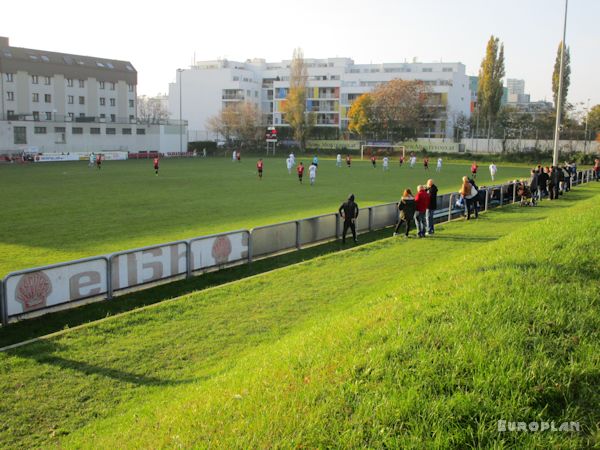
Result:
{"points": [[398, 343], [56, 212]]}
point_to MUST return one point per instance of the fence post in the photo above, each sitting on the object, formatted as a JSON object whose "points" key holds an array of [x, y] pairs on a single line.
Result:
{"points": [[450, 207], [109, 278], [514, 192], [487, 196], [337, 225], [297, 234], [189, 260], [370, 218], [501, 195], [250, 249], [3, 305]]}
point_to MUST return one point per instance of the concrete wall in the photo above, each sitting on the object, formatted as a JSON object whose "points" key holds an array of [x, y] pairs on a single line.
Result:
{"points": [[516, 145]]}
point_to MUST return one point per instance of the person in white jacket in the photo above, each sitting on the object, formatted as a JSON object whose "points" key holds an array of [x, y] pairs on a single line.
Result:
{"points": [[493, 170]]}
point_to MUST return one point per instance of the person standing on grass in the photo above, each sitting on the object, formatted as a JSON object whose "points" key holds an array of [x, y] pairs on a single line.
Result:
{"points": [[413, 160], [493, 170], [300, 170], [432, 190], [239, 156], [439, 165], [406, 208], [474, 168], [597, 169], [312, 173], [421, 203], [348, 160], [349, 212], [469, 193], [401, 160], [386, 162], [259, 168], [374, 161], [156, 166], [92, 160], [338, 160], [543, 181], [426, 163], [234, 156], [533, 185], [288, 164], [315, 161], [553, 183], [99, 161]]}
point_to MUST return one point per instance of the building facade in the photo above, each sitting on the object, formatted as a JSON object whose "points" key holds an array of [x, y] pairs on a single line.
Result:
{"points": [[333, 84], [516, 91], [59, 102]]}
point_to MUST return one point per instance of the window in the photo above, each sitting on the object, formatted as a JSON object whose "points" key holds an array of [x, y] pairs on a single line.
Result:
{"points": [[36, 115], [113, 102], [76, 130], [47, 81], [102, 101], [10, 114], [112, 86], [101, 84], [35, 97], [126, 130], [70, 99], [131, 104], [59, 129], [39, 130], [48, 98], [34, 79], [130, 87], [447, 69], [81, 83], [427, 69], [141, 131], [131, 118], [113, 118], [45, 59], [110, 66], [20, 135], [81, 114], [81, 100], [69, 82], [111, 131], [10, 77], [10, 96], [71, 116], [94, 130], [103, 116], [48, 116]]}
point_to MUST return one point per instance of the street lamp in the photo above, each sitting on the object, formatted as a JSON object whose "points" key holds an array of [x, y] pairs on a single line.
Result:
{"points": [[587, 117], [179, 71]]}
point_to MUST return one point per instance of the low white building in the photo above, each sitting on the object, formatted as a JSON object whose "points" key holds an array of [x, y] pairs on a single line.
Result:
{"points": [[334, 83], [59, 102]]}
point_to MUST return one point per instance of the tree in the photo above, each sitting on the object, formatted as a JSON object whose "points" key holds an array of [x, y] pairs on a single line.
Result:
{"points": [[361, 115], [566, 78], [294, 108], [490, 90], [152, 109], [593, 119], [241, 120]]}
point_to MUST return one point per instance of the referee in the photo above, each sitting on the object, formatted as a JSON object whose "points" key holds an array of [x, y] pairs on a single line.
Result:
{"points": [[349, 212]]}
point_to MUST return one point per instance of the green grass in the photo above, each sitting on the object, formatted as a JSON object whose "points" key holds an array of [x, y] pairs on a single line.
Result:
{"points": [[57, 212], [398, 343]]}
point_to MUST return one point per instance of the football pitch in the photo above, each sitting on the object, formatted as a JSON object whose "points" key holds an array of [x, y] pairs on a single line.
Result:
{"points": [[57, 212]]}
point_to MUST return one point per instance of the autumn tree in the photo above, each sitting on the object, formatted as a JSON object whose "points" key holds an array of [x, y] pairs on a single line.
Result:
{"points": [[294, 107], [243, 121], [593, 119], [566, 79], [490, 90], [361, 115]]}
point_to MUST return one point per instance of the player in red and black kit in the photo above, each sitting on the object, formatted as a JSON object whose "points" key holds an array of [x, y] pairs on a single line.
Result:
{"points": [[401, 160], [474, 168], [259, 167], [374, 161], [99, 161], [156, 166], [300, 170], [348, 160], [426, 163]]}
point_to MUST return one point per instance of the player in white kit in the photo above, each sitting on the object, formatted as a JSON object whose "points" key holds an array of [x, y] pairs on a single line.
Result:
{"points": [[493, 170], [338, 160], [439, 165], [312, 173], [386, 163], [288, 164]]}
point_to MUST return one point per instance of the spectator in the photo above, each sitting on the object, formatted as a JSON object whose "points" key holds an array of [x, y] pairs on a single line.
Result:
{"points": [[560, 176], [421, 203], [552, 183], [432, 190], [543, 182], [597, 169], [469, 193], [407, 209], [349, 212], [533, 184]]}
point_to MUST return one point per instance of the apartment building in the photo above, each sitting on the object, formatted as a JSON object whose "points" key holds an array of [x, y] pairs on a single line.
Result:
{"points": [[333, 84], [63, 102]]}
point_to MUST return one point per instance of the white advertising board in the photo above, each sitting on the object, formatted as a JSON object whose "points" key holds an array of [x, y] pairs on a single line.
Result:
{"points": [[219, 250]]}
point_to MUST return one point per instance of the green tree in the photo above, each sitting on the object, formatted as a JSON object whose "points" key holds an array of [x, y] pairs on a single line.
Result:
{"points": [[594, 121], [294, 108], [490, 89], [566, 78]]}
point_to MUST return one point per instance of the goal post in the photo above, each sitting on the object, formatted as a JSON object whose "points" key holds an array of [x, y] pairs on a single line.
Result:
{"points": [[382, 149]]}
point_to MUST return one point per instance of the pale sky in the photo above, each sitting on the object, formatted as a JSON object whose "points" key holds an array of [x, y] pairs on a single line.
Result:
{"points": [[159, 37]]}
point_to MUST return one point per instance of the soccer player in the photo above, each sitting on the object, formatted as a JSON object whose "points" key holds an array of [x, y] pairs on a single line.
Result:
{"points": [[156, 166], [312, 173], [413, 161], [300, 170], [474, 168], [259, 167], [92, 162], [426, 163], [293, 158], [288, 164], [386, 162], [239, 156], [99, 161], [338, 160], [401, 160], [374, 161], [349, 212], [234, 156], [348, 160], [493, 170], [315, 161], [439, 165]]}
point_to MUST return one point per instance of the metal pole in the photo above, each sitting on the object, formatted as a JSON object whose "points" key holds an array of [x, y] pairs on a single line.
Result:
{"points": [[587, 115], [560, 90], [180, 115]]}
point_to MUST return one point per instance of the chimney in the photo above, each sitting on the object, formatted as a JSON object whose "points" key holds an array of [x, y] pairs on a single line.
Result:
{"points": [[4, 42]]}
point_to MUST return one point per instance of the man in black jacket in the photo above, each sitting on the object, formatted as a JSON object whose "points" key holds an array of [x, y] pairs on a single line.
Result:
{"points": [[349, 212], [533, 185], [432, 190]]}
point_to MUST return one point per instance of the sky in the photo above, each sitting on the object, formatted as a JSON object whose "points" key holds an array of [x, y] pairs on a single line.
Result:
{"points": [[159, 37]]}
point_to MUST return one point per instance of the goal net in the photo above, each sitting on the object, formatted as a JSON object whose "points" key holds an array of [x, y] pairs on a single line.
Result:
{"points": [[382, 150]]}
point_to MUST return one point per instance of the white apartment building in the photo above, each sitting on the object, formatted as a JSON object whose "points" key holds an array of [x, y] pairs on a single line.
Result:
{"points": [[58, 102], [334, 83], [516, 91]]}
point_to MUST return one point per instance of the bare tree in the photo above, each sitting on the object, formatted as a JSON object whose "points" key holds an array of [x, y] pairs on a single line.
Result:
{"points": [[243, 121], [151, 109]]}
